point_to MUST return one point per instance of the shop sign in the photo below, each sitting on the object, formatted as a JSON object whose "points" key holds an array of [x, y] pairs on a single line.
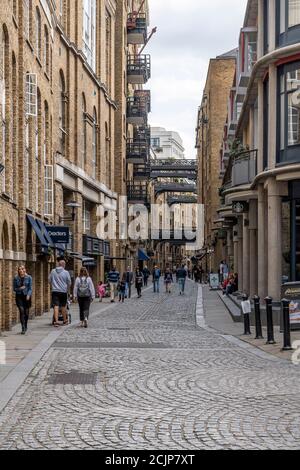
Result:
{"points": [[291, 292], [214, 281], [59, 234]]}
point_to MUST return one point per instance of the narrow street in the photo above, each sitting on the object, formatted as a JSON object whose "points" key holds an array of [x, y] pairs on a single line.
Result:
{"points": [[145, 376]]}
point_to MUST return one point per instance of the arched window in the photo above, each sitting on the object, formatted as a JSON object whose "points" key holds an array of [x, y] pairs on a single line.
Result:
{"points": [[46, 50], [4, 70], [62, 111], [107, 154], [37, 150], [38, 33], [83, 127], [14, 124], [94, 143], [27, 161], [15, 9]]}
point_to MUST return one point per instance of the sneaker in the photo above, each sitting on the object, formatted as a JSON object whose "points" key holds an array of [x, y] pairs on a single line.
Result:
{"points": [[85, 323], [23, 332]]}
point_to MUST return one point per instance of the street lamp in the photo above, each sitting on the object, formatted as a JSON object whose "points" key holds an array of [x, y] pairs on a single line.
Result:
{"points": [[73, 205]]}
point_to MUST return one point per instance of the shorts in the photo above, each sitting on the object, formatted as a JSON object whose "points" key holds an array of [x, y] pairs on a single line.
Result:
{"points": [[59, 299]]}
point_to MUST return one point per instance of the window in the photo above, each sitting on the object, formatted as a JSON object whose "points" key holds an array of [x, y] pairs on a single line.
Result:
{"points": [[45, 133], [14, 125], [62, 112], [38, 34], [266, 26], [94, 151], [46, 50], [36, 151], [108, 50], [27, 13], [289, 113], [31, 94], [89, 31], [86, 218], [4, 71], [27, 162], [83, 124], [48, 191], [155, 142], [15, 9], [288, 22]]}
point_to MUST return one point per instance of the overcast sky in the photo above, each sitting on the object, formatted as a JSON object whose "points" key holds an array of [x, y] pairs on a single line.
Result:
{"points": [[190, 32]]}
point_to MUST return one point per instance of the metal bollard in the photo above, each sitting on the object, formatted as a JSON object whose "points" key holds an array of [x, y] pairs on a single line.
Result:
{"points": [[269, 306], [259, 334], [286, 326], [247, 330]]}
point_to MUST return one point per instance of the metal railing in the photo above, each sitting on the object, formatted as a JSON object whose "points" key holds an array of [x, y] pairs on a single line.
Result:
{"points": [[139, 68], [137, 149], [244, 168]]}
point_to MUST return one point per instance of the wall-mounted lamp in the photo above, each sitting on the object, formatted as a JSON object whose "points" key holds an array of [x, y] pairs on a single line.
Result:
{"points": [[73, 205]]}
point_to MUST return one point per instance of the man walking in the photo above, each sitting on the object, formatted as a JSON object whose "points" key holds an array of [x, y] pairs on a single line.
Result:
{"points": [[156, 278], [113, 279], [60, 281], [181, 275], [129, 282], [146, 275]]}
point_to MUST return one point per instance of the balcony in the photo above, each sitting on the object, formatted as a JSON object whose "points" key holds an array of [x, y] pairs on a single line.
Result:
{"points": [[138, 69], [137, 193], [247, 55], [142, 133], [175, 188], [138, 107], [244, 168], [137, 28], [141, 172], [137, 151], [173, 200]]}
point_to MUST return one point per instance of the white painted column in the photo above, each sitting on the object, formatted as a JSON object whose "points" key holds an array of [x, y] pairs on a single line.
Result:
{"points": [[253, 247], [262, 255], [274, 240], [246, 254]]}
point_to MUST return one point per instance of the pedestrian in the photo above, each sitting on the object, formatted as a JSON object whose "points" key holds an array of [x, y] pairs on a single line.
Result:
{"points": [[60, 282], [182, 275], [156, 278], [129, 282], [225, 271], [122, 288], [113, 279], [168, 281], [139, 280], [84, 293], [101, 291], [22, 287], [201, 274], [196, 274], [146, 275], [221, 271]]}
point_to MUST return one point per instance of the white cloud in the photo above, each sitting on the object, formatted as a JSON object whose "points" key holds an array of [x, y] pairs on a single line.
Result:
{"points": [[189, 33]]}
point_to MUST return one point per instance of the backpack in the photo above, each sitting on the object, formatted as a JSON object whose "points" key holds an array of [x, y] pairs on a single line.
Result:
{"points": [[83, 288], [157, 274]]}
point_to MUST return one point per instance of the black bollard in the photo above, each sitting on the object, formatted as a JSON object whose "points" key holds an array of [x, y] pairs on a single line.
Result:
{"points": [[269, 305], [259, 334], [247, 330], [286, 326]]}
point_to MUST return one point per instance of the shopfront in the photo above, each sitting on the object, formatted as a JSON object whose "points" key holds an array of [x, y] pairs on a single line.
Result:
{"points": [[291, 233]]}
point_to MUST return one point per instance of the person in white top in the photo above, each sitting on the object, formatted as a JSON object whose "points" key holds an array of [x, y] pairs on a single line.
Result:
{"points": [[84, 292]]}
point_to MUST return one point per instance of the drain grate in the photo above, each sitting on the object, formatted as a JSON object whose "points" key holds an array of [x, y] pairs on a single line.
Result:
{"points": [[73, 378], [77, 345]]}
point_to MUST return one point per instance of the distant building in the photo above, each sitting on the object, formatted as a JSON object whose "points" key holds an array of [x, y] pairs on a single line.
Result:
{"points": [[166, 144]]}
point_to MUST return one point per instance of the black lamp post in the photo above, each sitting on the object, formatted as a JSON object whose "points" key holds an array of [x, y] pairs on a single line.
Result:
{"points": [[73, 205]]}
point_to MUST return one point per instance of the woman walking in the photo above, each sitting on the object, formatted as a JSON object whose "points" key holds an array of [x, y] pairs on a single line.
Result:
{"points": [[84, 292], [168, 281], [23, 290], [139, 280]]}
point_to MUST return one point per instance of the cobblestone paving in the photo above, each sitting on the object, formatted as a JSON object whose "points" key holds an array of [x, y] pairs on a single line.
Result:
{"points": [[188, 389]]}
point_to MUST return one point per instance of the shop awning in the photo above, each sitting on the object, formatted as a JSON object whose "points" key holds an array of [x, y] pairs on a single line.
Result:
{"points": [[142, 256], [37, 229]]}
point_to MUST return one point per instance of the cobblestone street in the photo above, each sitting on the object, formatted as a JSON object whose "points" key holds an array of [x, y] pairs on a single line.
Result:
{"points": [[145, 376]]}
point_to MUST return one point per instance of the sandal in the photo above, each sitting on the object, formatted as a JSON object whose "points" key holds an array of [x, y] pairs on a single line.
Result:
{"points": [[56, 325]]}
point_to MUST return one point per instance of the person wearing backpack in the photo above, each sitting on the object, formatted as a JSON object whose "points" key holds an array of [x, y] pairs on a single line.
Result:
{"points": [[168, 281], [84, 292], [156, 278]]}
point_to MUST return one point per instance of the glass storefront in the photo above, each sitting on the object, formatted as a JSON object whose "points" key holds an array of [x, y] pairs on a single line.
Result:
{"points": [[288, 22], [291, 234]]}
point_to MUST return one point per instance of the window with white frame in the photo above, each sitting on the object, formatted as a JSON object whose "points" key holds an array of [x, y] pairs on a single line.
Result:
{"points": [[89, 31], [31, 94], [86, 214], [26, 163], [48, 209]]}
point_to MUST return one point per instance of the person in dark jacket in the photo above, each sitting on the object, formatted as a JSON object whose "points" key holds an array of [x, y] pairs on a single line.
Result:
{"points": [[168, 281], [122, 288], [23, 289], [181, 275], [146, 274], [139, 280], [129, 282]]}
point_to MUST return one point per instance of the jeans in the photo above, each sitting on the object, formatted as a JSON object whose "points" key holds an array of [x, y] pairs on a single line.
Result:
{"points": [[128, 290], [181, 283], [156, 285], [23, 306]]}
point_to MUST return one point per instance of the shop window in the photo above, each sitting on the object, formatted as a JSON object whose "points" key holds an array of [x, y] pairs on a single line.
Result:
{"points": [[288, 22]]}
